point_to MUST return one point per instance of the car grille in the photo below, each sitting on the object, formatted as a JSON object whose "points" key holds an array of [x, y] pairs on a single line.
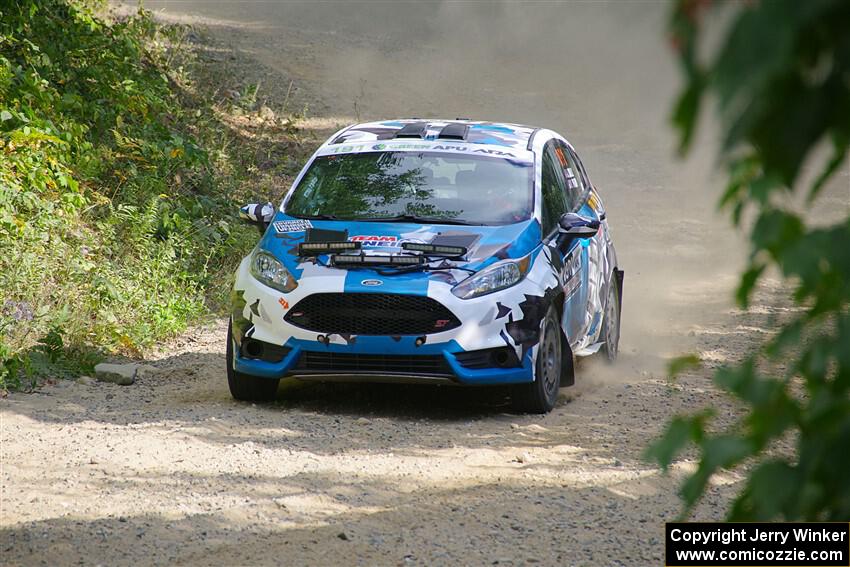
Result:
{"points": [[371, 314], [430, 365]]}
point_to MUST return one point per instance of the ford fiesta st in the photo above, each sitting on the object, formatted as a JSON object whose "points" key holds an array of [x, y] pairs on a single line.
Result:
{"points": [[461, 252]]}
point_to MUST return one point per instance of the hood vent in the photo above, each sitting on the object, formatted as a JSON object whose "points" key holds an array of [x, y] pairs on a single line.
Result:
{"points": [[413, 130], [454, 131]]}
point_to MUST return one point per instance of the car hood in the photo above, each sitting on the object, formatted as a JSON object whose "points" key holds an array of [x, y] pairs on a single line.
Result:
{"points": [[485, 244]]}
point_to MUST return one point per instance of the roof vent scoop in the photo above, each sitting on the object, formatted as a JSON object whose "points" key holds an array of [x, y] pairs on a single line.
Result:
{"points": [[454, 131], [413, 130]]}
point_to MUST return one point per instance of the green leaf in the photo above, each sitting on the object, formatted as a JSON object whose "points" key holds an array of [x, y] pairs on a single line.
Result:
{"points": [[762, 186], [748, 282], [840, 145], [693, 488], [682, 363], [759, 45], [679, 432], [787, 337], [770, 492], [674, 439], [686, 112], [775, 230], [724, 451], [736, 379]]}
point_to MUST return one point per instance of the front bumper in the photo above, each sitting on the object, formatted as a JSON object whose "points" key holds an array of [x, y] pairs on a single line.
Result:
{"points": [[458, 355], [440, 362]]}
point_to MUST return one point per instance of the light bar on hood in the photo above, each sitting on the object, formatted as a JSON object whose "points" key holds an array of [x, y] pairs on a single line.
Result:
{"points": [[319, 248], [365, 260], [434, 249]]}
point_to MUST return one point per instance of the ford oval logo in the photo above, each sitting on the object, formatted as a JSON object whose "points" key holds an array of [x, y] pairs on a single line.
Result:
{"points": [[371, 283]]}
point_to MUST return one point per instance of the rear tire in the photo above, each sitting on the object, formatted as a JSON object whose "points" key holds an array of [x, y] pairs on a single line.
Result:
{"points": [[611, 323], [540, 396], [244, 387]]}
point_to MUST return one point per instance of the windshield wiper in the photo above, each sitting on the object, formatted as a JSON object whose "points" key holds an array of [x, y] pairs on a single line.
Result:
{"points": [[317, 217], [417, 218]]}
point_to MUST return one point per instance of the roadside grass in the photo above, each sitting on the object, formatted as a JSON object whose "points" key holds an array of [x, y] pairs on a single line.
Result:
{"points": [[124, 156]]}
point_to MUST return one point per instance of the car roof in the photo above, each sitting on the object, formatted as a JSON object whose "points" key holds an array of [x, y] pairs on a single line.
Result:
{"points": [[458, 130]]}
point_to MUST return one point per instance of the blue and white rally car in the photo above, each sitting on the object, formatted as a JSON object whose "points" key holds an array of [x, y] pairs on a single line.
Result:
{"points": [[462, 252]]}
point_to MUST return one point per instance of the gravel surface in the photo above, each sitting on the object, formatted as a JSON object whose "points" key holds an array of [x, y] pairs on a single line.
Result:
{"points": [[170, 470]]}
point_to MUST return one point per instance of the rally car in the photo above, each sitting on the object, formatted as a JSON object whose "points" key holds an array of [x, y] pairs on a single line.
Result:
{"points": [[442, 251]]}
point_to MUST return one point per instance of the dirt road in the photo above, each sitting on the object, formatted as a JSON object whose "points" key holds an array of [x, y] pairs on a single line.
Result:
{"points": [[172, 471]]}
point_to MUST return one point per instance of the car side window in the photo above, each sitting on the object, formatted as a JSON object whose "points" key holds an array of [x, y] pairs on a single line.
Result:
{"points": [[575, 184], [584, 177], [553, 188], [592, 197]]}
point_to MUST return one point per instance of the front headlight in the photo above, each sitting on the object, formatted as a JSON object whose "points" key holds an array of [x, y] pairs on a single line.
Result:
{"points": [[495, 277], [271, 272]]}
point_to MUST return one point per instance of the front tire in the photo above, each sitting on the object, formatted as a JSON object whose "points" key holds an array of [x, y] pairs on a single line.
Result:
{"points": [[540, 396], [244, 387], [611, 323]]}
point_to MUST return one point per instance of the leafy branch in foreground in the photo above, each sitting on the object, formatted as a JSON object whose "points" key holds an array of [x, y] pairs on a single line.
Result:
{"points": [[781, 80]]}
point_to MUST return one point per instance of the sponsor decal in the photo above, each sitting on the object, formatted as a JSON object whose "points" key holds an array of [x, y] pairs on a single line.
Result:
{"points": [[445, 148], [570, 273], [467, 148], [525, 331], [345, 149], [371, 283], [380, 147], [283, 303], [561, 157], [376, 241], [297, 225]]}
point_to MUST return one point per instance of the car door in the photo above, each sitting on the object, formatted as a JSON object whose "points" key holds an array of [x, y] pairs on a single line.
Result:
{"points": [[595, 266], [555, 192], [574, 252]]}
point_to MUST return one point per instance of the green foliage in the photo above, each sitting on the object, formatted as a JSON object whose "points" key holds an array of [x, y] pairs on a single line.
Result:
{"points": [[682, 363], [111, 225], [780, 79]]}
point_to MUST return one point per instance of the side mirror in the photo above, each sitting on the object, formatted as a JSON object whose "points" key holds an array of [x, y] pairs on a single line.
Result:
{"points": [[259, 215], [573, 225]]}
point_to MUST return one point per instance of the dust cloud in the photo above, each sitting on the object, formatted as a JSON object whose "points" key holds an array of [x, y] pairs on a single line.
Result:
{"points": [[601, 73]]}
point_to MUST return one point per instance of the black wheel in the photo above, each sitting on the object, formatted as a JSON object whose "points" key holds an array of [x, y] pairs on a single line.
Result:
{"points": [[245, 387], [540, 396], [611, 322]]}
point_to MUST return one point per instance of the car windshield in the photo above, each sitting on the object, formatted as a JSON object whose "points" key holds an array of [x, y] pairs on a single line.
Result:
{"points": [[431, 186]]}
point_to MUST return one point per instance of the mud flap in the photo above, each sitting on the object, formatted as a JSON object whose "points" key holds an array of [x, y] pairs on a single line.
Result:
{"points": [[620, 274], [568, 371]]}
